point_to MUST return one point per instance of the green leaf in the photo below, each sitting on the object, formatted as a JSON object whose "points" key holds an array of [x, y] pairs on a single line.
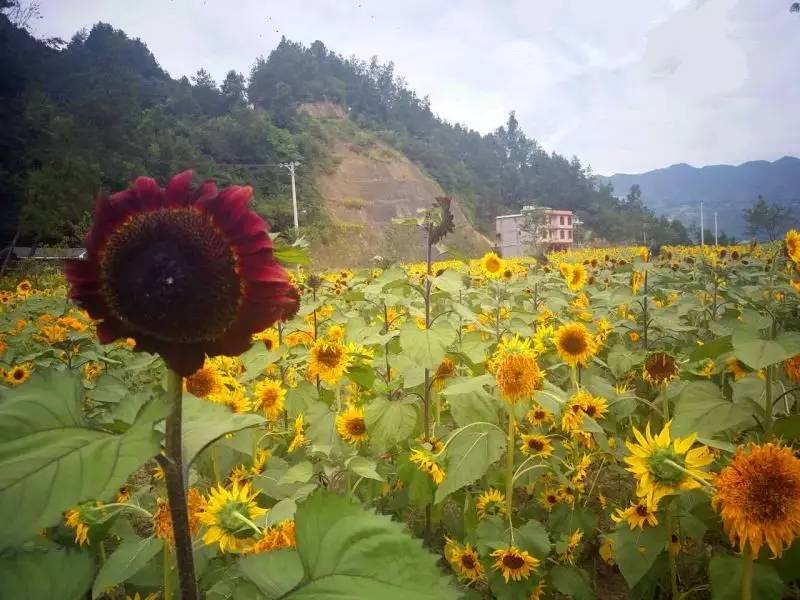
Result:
{"points": [[299, 473], [572, 582], [127, 560], [282, 511], [50, 460], [788, 428], [758, 353], [363, 375], [349, 553], [274, 573], [449, 282], [427, 347], [725, 573], [256, 360], [469, 401], [292, 255], [701, 409], [636, 550], [204, 422], [713, 349], [533, 537], [322, 432], [363, 467], [621, 360], [56, 574], [469, 455], [389, 422]]}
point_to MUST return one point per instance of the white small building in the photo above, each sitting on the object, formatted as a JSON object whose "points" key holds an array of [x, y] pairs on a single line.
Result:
{"points": [[556, 233]]}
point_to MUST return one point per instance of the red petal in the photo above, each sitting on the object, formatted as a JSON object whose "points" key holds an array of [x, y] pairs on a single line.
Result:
{"points": [[147, 194], [178, 190]]}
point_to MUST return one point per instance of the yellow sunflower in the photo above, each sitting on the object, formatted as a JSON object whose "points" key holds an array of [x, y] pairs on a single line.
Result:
{"points": [[18, 374], [328, 360], [204, 382], [793, 245], [75, 519], [299, 434], [582, 403], [548, 499], [638, 514], [575, 344], [514, 563], [229, 516], [518, 376], [269, 397], [426, 463], [270, 338], [570, 546], [492, 265], [660, 368], [91, 370], [351, 426], [464, 560], [445, 371], [24, 288], [758, 498], [606, 551], [536, 445], [539, 416], [490, 503], [665, 466], [577, 277]]}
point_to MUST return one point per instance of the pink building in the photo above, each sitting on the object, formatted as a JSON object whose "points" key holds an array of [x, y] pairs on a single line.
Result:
{"points": [[556, 233]]}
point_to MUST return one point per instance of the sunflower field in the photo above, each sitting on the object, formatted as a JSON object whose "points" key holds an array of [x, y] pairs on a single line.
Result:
{"points": [[604, 424]]}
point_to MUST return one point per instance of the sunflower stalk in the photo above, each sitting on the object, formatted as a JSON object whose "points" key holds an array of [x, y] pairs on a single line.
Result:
{"points": [[747, 575], [768, 402], [665, 401], [510, 464], [176, 489], [673, 563]]}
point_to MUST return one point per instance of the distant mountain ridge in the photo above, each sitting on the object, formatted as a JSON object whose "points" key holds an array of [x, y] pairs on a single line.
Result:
{"points": [[676, 191]]}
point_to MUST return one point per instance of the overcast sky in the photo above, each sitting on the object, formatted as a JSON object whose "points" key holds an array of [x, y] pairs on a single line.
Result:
{"points": [[627, 86]]}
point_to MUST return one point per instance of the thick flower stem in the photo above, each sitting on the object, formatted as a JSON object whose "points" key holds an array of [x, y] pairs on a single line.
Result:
{"points": [[747, 575], [176, 490], [768, 402], [510, 463], [673, 563], [665, 401]]}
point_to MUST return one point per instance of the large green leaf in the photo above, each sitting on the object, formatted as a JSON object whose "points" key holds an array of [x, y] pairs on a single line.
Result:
{"points": [[348, 553], [127, 560], [712, 349], [701, 409], [389, 422], [758, 353], [56, 574], [572, 582], [635, 550], [50, 459], [725, 573], [469, 401], [469, 455], [427, 347], [204, 422], [275, 573]]}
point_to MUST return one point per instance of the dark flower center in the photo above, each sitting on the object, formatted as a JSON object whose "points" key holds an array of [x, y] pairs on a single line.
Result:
{"points": [[573, 343], [539, 415], [330, 356], [590, 410], [468, 561], [356, 426], [536, 444], [172, 275], [268, 344], [269, 397], [513, 561], [552, 499], [18, 374], [642, 511], [201, 383], [769, 492]]}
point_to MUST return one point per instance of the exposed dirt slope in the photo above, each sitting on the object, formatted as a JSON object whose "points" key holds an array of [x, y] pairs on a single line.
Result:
{"points": [[367, 185]]}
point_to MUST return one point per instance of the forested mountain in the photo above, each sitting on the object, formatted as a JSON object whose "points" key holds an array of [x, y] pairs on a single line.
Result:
{"points": [[676, 191], [95, 112]]}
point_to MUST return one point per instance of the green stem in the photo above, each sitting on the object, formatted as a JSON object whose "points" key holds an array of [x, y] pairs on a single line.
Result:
{"points": [[215, 463], [673, 563], [510, 463], [665, 401], [768, 402], [747, 575], [176, 489], [169, 561]]}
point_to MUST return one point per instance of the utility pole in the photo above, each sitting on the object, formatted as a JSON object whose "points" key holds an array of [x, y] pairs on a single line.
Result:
{"points": [[702, 238], [715, 230], [291, 166]]}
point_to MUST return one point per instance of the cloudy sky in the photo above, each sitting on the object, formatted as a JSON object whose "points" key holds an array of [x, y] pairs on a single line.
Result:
{"points": [[626, 85]]}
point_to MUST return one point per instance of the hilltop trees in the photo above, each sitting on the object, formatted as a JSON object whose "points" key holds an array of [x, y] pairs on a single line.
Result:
{"points": [[766, 219]]}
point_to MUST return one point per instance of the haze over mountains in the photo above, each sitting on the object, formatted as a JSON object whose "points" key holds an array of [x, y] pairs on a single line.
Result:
{"points": [[677, 191]]}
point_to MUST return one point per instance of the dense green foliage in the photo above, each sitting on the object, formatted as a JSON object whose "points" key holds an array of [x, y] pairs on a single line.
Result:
{"points": [[91, 114]]}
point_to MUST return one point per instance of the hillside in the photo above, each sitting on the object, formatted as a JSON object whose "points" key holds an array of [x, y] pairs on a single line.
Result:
{"points": [[366, 186], [676, 191]]}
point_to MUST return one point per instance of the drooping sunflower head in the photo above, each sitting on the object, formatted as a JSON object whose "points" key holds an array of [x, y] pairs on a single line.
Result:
{"points": [[514, 563], [575, 344], [490, 503], [426, 463], [299, 437], [186, 273], [758, 498], [660, 368], [664, 466], [226, 515], [328, 360], [492, 265], [351, 425], [269, 396], [445, 371]]}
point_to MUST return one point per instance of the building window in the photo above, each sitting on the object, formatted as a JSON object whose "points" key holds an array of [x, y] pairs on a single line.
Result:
{"points": [[562, 234], [562, 219], [569, 220], [569, 234]]}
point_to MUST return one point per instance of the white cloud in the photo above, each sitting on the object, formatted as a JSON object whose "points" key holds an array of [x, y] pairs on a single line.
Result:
{"points": [[626, 86]]}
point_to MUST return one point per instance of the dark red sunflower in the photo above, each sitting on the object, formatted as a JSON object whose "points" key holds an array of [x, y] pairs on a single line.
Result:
{"points": [[185, 272]]}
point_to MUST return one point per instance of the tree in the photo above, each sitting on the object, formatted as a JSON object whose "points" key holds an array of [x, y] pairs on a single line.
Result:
{"points": [[234, 89], [769, 219]]}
